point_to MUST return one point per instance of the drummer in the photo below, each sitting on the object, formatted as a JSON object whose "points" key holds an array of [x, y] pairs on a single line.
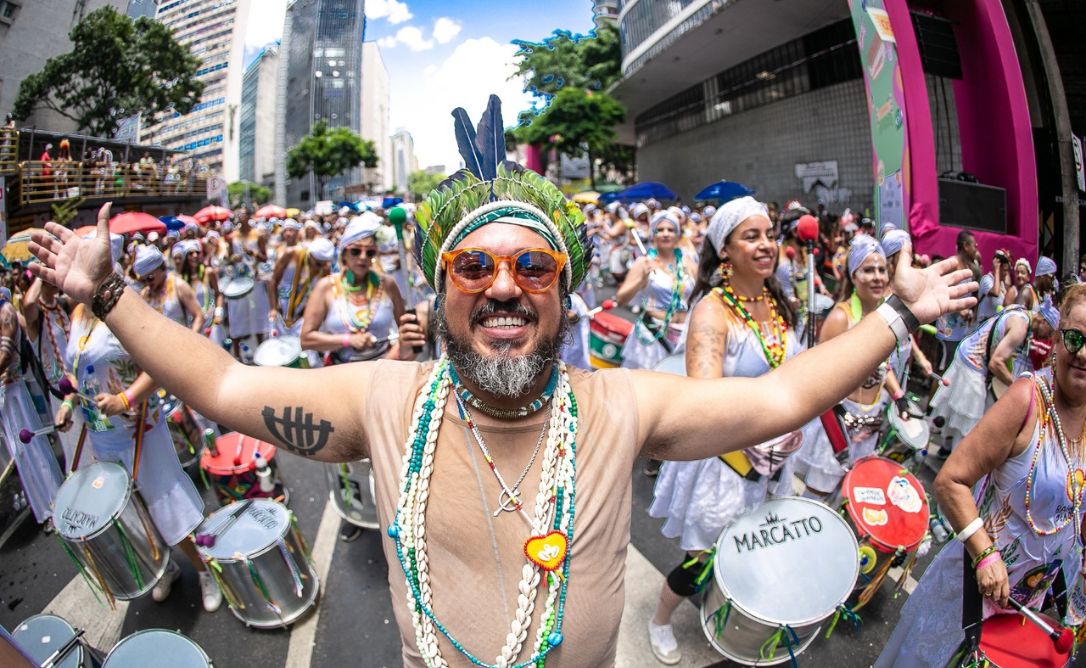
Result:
{"points": [[247, 315], [165, 291], [867, 284], [297, 271], [744, 326], [662, 281], [114, 397], [1012, 490], [204, 280]]}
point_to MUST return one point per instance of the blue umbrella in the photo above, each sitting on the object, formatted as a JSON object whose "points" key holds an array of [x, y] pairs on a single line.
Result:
{"points": [[389, 202], [607, 198], [172, 223], [724, 191], [646, 190]]}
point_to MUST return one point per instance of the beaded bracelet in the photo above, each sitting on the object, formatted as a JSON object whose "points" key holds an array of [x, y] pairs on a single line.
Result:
{"points": [[987, 560], [988, 550], [124, 400], [970, 529]]}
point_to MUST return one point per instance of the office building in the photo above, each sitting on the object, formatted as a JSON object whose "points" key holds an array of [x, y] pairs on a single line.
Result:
{"points": [[375, 117], [403, 159], [259, 88], [605, 11], [138, 8]]}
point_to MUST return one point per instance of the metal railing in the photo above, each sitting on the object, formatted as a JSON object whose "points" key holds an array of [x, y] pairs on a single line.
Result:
{"points": [[58, 180], [9, 150]]}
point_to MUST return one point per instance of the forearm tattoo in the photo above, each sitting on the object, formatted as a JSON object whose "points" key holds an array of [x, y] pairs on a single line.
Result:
{"points": [[295, 429]]}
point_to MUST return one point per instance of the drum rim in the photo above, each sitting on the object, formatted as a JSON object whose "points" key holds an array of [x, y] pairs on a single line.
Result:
{"points": [[249, 556], [41, 615], [894, 418], [276, 339], [881, 546], [120, 509], [227, 282], [122, 641], [806, 622]]}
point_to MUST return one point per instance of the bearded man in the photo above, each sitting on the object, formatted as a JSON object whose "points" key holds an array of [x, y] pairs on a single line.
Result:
{"points": [[503, 477]]}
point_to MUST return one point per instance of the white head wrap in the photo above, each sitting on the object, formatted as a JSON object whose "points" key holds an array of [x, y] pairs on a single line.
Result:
{"points": [[116, 246], [291, 224], [1045, 267], [360, 227], [729, 217], [661, 217], [1025, 263], [893, 239], [612, 207], [148, 258], [861, 247], [638, 210], [322, 250]]}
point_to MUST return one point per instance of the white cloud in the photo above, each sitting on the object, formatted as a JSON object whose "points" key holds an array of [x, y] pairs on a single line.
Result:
{"points": [[409, 36], [265, 25], [475, 69], [387, 42], [446, 30], [393, 10]]}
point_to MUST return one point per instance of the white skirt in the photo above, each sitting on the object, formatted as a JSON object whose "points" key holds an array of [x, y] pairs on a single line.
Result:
{"points": [[815, 460], [249, 314], [700, 499], [961, 403], [637, 354]]}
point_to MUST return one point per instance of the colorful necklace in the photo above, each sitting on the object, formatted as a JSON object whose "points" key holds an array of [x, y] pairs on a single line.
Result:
{"points": [[358, 320], [775, 350], [674, 304], [547, 548], [466, 395], [1049, 418], [56, 363]]}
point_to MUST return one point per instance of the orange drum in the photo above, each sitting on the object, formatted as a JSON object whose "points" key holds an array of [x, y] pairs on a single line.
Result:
{"points": [[232, 469], [888, 509], [607, 335]]}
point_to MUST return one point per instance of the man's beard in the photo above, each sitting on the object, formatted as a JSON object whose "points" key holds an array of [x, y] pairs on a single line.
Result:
{"points": [[503, 375]]}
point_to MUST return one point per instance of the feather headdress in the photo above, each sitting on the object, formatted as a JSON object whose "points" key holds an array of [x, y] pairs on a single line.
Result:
{"points": [[492, 189]]}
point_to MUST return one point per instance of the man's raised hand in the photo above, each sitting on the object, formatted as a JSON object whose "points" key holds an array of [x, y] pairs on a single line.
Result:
{"points": [[76, 266]]}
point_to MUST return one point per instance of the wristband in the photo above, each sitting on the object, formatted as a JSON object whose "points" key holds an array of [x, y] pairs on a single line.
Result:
{"points": [[898, 396], [970, 529], [989, 559], [123, 396], [107, 295], [898, 317], [980, 557], [219, 312], [346, 340]]}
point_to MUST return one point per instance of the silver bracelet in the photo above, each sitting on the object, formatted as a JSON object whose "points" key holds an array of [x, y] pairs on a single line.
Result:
{"points": [[894, 320]]}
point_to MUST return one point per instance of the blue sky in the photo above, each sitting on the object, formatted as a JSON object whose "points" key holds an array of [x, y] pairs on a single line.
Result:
{"points": [[441, 55]]}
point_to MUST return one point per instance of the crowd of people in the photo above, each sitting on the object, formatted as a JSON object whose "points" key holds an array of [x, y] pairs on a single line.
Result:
{"points": [[498, 290]]}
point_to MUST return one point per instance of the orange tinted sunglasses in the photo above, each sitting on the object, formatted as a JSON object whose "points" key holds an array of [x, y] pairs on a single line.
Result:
{"points": [[474, 270]]}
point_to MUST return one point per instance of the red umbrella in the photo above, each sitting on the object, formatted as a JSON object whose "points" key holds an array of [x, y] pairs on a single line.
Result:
{"points": [[188, 220], [85, 230], [210, 213], [270, 211], [135, 221]]}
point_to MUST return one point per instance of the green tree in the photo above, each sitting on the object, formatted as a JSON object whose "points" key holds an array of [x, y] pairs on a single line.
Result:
{"points": [[420, 183], [117, 67], [246, 192], [565, 60], [328, 152]]}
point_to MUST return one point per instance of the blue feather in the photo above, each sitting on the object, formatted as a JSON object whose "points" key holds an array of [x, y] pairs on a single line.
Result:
{"points": [[490, 139], [465, 140]]}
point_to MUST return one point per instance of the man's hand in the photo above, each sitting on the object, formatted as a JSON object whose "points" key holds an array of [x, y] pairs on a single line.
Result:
{"points": [[76, 266], [931, 292], [411, 333]]}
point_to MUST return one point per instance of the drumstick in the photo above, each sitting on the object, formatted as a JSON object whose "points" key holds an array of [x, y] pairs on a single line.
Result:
{"points": [[208, 539], [607, 305], [944, 381], [25, 435], [62, 652], [1064, 639], [7, 471], [65, 386]]}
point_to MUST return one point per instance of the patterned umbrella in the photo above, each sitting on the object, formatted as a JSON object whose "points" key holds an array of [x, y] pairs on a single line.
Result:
{"points": [[16, 250]]}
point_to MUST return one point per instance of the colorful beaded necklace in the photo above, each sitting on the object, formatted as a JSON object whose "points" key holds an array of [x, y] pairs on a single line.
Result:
{"points": [[674, 304], [357, 320], [466, 395], [776, 350], [1050, 419], [546, 549]]}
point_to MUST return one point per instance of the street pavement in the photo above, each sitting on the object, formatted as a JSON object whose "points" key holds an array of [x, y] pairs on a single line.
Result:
{"points": [[353, 624]]}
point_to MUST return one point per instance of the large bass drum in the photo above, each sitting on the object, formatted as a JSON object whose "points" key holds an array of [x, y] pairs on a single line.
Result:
{"points": [[105, 527], [157, 647], [779, 572]]}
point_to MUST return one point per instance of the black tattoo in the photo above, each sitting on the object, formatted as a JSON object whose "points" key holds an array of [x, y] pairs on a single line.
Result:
{"points": [[296, 430]]}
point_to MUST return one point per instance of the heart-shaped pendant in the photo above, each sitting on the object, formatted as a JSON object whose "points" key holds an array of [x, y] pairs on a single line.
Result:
{"points": [[547, 551]]}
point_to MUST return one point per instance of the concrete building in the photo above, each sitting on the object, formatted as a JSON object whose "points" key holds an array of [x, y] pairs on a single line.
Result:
{"points": [[773, 95], [604, 11], [138, 8], [32, 33], [403, 159], [320, 80], [259, 88], [375, 116], [214, 30]]}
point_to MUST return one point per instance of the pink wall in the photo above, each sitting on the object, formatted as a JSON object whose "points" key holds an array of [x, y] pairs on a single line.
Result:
{"points": [[993, 118]]}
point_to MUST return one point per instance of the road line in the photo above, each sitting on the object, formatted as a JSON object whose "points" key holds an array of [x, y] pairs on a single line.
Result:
{"points": [[77, 605], [303, 635]]}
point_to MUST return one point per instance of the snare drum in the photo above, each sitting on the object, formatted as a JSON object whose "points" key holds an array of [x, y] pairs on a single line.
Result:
{"points": [[1010, 641], [281, 351], [889, 511], [779, 572], [352, 492], [105, 527], [232, 470], [912, 432], [607, 335], [236, 287], [261, 563], [186, 435], [41, 635], [157, 647]]}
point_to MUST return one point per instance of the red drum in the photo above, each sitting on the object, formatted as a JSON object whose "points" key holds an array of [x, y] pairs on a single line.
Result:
{"points": [[608, 334], [1010, 641], [232, 469], [888, 509]]}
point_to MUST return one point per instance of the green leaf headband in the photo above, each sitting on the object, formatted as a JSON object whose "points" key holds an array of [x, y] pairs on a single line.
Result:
{"points": [[489, 190]]}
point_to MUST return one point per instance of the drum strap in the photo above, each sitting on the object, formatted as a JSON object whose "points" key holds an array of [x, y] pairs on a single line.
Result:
{"points": [[79, 448], [660, 337], [141, 429]]}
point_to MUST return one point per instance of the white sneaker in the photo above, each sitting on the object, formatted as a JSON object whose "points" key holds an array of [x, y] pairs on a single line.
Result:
{"points": [[161, 590], [210, 592], [664, 645]]}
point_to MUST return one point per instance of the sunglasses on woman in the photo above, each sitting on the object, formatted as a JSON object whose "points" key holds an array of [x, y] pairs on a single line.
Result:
{"points": [[473, 270], [1073, 340], [370, 252]]}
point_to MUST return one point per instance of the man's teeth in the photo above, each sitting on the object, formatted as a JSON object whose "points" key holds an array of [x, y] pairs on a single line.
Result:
{"points": [[504, 322]]}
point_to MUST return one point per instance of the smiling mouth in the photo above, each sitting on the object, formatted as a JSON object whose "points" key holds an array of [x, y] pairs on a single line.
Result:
{"points": [[502, 321]]}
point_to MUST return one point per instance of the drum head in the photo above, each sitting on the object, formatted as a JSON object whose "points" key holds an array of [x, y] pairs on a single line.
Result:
{"points": [[674, 363], [235, 454], [41, 635], [823, 304], [886, 503], [89, 499], [259, 526], [237, 286], [278, 351], [152, 647], [1007, 640], [607, 323], [912, 431], [790, 561]]}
